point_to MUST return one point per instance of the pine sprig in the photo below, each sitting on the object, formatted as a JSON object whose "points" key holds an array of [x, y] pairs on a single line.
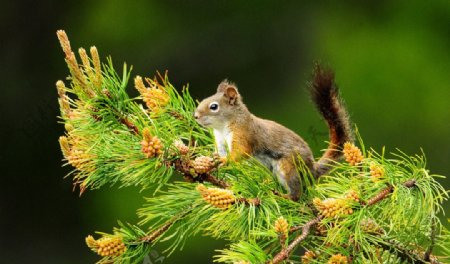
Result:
{"points": [[370, 208], [105, 126]]}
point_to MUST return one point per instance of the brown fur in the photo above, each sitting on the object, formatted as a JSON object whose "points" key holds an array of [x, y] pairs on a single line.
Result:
{"points": [[325, 95], [274, 145], [240, 143]]}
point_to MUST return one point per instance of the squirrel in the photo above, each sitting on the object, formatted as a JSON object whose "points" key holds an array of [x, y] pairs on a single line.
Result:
{"points": [[240, 134]]}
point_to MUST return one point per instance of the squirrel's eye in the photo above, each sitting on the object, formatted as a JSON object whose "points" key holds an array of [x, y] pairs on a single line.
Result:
{"points": [[214, 106]]}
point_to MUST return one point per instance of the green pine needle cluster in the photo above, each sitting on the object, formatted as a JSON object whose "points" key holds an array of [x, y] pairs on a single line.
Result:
{"points": [[379, 209]]}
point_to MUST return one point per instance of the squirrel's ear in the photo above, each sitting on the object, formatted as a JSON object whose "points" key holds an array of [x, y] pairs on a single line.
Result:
{"points": [[223, 86], [232, 94], [229, 90]]}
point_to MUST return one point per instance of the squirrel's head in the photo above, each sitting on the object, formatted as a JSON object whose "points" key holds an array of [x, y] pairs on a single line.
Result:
{"points": [[218, 109]]}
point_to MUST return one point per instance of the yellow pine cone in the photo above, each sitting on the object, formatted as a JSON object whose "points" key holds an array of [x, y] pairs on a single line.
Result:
{"points": [[78, 158], [63, 99], [182, 148], [203, 164], [333, 207], [76, 113], [97, 66], [281, 225], [376, 172], [154, 97], [69, 127], [64, 144], [317, 203], [308, 257], [371, 227], [352, 195], [338, 259], [352, 154], [74, 153], [220, 198], [151, 146], [107, 246], [91, 242]]}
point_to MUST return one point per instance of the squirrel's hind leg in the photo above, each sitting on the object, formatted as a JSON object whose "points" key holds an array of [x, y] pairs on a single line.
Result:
{"points": [[288, 176]]}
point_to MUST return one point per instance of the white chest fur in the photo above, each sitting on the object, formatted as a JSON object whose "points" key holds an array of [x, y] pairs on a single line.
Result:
{"points": [[223, 138]]}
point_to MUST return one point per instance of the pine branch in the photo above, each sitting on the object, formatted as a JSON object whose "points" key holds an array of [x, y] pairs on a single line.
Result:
{"points": [[112, 138], [284, 253], [161, 230], [385, 192], [295, 228], [249, 201], [214, 180], [129, 124], [432, 239], [184, 168], [412, 256]]}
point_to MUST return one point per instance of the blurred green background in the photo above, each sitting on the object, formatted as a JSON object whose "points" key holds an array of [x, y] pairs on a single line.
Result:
{"points": [[391, 60]]}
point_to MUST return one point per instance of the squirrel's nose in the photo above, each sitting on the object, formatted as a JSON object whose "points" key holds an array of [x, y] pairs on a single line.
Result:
{"points": [[196, 115]]}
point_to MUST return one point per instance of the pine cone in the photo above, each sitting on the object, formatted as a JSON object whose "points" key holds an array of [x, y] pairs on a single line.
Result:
{"points": [[154, 97], [332, 207], [220, 198], [69, 127], [65, 146], [182, 148], [91, 242], [338, 259], [75, 114], [317, 203], [77, 158], [352, 195], [203, 164], [281, 226], [106, 246], [308, 257], [352, 154], [151, 145], [376, 172], [75, 153], [371, 227]]}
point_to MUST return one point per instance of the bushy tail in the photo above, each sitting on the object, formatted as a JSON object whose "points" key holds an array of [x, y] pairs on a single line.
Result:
{"points": [[325, 95]]}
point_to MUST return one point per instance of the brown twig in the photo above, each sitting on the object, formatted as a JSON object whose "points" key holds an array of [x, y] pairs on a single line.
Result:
{"points": [[295, 228], [162, 229], [158, 232], [284, 253], [409, 183], [433, 240], [129, 124], [282, 238], [176, 115], [214, 180], [385, 192], [184, 168], [249, 201], [380, 196]]}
